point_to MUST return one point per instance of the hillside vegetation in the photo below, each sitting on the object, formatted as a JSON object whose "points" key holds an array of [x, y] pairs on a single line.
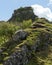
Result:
{"points": [[26, 42]]}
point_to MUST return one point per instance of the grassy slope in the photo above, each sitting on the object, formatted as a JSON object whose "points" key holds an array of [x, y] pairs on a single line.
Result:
{"points": [[41, 57]]}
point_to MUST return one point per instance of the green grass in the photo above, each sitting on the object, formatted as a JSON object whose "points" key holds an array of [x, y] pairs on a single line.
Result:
{"points": [[9, 29]]}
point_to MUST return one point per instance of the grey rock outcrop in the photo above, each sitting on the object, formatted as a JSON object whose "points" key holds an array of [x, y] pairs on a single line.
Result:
{"points": [[23, 13], [20, 52], [18, 58], [20, 35], [22, 55]]}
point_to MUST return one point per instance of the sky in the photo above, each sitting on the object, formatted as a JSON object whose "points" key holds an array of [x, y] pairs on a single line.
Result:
{"points": [[42, 8]]}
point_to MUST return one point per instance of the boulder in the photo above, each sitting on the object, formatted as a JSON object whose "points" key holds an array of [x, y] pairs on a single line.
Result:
{"points": [[20, 35]]}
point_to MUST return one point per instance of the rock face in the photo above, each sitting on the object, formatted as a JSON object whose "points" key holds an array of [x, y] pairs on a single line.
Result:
{"points": [[18, 58], [21, 14], [17, 38], [20, 35], [23, 54]]}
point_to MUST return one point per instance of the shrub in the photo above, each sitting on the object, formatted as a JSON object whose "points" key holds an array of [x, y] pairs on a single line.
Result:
{"points": [[26, 24]]}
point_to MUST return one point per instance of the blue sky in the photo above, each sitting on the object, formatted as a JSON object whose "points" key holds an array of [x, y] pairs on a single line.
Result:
{"points": [[8, 6]]}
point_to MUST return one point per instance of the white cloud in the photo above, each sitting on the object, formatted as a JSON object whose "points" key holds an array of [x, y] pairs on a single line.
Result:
{"points": [[40, 11]]}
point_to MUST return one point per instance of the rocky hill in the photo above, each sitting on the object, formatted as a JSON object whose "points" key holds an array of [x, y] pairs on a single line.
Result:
{"points": [[28, 44], [21, 14]]}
